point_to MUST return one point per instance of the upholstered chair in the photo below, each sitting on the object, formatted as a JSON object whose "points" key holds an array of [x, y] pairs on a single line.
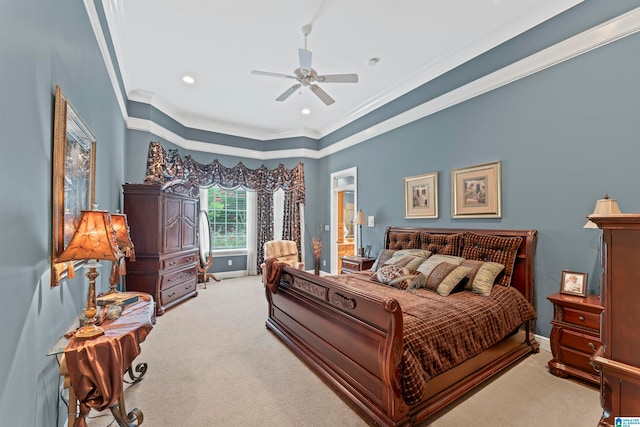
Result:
{"points": [[284, 251]]}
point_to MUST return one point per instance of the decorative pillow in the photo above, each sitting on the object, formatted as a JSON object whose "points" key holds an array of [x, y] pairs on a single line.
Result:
{"points": [[482, 276], [383, 256], [399, 277], [488, 248], [410, 258], [445, 277], [445, 244], [404, 241], [415, 252], [434, 260]]}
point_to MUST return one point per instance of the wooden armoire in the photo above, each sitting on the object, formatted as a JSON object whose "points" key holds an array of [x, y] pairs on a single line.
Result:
{"points": [[163, 225], [618, 359]]}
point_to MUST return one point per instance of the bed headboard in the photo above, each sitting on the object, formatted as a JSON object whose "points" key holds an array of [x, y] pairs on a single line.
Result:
{"points": [[452, 240]]}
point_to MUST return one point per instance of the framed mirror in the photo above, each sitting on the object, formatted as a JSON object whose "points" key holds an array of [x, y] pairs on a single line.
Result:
{"points": [[204, 238], [205, 255], [74, 160]]}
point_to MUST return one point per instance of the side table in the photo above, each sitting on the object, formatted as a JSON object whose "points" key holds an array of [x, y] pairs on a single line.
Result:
{"points": [[352, 264], [93, 370], [575, 335]]}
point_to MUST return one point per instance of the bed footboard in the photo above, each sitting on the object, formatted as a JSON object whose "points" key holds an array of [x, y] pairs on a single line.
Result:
{"points": [[352, 340]]}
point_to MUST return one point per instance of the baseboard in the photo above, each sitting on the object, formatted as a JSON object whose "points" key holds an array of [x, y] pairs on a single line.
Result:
{"points": [[231, 274], [545, 344]]}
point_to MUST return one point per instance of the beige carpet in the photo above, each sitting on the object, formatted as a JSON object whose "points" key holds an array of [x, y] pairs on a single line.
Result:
{"points": [[212, 362]]}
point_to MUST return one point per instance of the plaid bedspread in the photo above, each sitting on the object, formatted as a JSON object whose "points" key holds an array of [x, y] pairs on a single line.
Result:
{"points": [[442, 332]]}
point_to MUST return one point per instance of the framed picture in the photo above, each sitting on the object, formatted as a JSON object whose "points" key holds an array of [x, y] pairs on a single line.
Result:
{"points": [[367, 251], [74, 159], [421, 196], [476, 191], [574, 283]]}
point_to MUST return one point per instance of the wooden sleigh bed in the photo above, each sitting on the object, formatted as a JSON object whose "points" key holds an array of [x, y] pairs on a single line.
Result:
{"points": [[354, 339]]}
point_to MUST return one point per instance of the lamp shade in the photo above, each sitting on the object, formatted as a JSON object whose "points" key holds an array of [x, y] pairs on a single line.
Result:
{"points": [[94, 239], [605, 206], [359, 219], [123, 238]]}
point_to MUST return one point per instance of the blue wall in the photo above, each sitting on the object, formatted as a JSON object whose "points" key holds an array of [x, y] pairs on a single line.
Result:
{"points": [[44, 44]]}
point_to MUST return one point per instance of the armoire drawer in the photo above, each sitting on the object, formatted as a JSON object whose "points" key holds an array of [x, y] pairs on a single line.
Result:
{"points": [[172, 294], [174, 278], [177, 261]]}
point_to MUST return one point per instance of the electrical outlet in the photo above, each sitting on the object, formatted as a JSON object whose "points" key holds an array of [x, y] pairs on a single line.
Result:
{"points": [[326, 227], [230, 262], [324, 262]]}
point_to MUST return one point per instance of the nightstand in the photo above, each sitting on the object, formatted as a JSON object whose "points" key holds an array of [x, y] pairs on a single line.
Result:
{"points": [[352, 264], [575, 335]]}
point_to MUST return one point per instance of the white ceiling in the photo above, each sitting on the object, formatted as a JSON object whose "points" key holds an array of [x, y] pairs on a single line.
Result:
{"points": [[220, 42]]}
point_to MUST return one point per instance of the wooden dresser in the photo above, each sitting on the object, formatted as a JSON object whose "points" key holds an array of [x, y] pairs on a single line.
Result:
{"points": [[163, 229], [618, 358], [575, 336]]}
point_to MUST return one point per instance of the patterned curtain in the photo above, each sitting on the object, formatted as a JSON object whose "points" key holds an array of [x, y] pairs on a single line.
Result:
{"points": [[163, 167]]}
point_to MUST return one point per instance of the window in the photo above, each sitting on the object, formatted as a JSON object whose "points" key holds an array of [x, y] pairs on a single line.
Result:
{"points": [[227, 211]]}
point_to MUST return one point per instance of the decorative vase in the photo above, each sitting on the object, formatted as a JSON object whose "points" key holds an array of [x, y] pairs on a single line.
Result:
{"points": [[317, 251]]}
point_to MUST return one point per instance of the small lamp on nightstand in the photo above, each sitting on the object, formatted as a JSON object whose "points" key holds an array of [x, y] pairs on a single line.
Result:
{"points": [[360, 221], [604, 206], [94, 239]]}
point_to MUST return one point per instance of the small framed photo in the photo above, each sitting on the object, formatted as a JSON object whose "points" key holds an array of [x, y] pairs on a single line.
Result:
{"points": [[367, 251], [574, 283], [421, 196]]}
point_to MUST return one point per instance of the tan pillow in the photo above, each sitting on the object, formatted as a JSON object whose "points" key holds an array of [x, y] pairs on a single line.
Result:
{"points": [[482, 276], [409, 261], [430, 263], [451, 280]]}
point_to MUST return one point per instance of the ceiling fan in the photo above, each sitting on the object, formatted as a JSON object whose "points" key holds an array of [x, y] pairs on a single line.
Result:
{"points": [[307, 76]]}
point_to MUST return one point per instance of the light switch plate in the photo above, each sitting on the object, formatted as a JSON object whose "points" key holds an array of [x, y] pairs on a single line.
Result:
{"points": [[370, 221]]}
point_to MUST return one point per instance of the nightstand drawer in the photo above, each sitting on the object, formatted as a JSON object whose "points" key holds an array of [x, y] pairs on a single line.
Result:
{"points": [[582, 318], [350, 265], [577, 359], [577, 341]]}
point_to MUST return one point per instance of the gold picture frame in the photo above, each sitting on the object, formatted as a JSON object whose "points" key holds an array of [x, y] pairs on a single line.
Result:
{"points": [[574, 283], [421, 196], [476, 191], [74, 160]]}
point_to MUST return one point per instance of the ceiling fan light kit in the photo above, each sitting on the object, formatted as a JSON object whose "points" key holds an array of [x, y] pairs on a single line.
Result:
{"points": [[307, 76]]}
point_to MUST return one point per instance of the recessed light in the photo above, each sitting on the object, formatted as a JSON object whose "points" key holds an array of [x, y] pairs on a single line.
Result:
{"points": [[374, 61], [306, 111], [188, 79]]}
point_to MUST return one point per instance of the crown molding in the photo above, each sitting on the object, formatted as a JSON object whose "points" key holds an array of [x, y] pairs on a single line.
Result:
{"points": [[594, 38], [145, 125]]}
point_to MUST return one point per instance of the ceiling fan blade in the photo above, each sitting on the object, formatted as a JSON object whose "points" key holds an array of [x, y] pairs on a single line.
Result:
{"points": [[267, 73], [321, 94], [339, 78], [305, 60], [287, 93]]}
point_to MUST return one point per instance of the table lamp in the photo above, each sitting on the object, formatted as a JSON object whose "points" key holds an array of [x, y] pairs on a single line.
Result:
{"points": [[360, 221], [604, 206], [94, 239], [123, 240]]}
